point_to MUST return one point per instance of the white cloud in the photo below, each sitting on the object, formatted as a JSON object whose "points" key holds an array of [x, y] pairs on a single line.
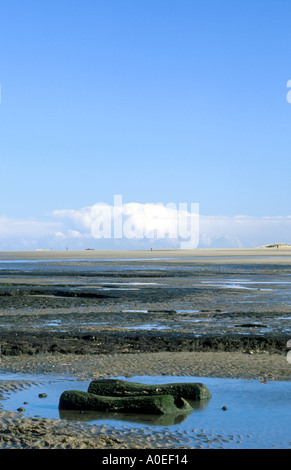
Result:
{"points": [[74, 234], [154, 222], [10, 227], [60, 235], [138, 226], [243, 231], [80, 217]]}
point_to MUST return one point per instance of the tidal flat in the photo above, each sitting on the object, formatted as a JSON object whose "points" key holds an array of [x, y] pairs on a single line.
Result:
{"points": [[223, 314]]}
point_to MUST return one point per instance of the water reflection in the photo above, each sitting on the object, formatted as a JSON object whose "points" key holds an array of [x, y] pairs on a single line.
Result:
{"points": [[146, 419]]}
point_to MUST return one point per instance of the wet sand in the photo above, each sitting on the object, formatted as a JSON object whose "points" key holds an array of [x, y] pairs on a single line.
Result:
{"points": [[217, 332]]}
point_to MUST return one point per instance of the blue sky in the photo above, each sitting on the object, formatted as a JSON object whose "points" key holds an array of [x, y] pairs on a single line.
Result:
{"points": [[157, 100]]}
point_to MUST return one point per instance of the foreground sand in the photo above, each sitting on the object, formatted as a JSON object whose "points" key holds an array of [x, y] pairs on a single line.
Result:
{"points": [[252, 365], [39, 433]]}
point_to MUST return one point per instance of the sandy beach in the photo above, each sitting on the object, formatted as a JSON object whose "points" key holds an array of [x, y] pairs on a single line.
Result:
{"points": [[223, 340], [197, 255]]}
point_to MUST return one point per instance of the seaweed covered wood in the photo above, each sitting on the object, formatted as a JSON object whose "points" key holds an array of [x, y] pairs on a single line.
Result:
{"points": [[155, 404], [122, 388]]}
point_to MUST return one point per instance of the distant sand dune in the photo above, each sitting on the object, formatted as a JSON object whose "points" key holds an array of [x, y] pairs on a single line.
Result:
{"points": [[277, 245]]}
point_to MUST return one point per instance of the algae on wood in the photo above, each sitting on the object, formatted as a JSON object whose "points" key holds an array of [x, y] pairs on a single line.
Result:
{"points": [[122, 388], [155, 404], [122, 396]]}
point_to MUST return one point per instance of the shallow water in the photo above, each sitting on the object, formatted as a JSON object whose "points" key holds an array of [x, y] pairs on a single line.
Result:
{"points": [[258, 415]]}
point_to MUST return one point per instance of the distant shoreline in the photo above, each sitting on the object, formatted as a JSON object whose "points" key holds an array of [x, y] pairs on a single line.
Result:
{"points": [[201, 255]]}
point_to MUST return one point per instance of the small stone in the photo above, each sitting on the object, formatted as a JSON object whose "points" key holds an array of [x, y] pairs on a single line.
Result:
{"points": [[42, 395], [224, 408], [21, 409]]}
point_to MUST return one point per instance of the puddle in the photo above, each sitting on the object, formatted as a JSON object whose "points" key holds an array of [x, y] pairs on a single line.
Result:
{"points": [[161, 311], [110, 284], [196, 320], [248, 285], [257, 414], [148, 326], [188, 311], [54, 323], [72, 323], [135, 311]]}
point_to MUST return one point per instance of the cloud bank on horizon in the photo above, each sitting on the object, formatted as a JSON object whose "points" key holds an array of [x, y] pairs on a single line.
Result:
{"points": [[140, 226]]}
